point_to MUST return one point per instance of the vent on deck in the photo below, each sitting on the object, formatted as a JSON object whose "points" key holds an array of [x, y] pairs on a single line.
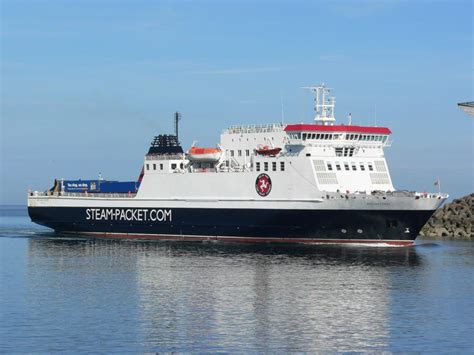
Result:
{"points": [[327, 178], [379, 178], [380, 165], [165, 144], [319, 165]]}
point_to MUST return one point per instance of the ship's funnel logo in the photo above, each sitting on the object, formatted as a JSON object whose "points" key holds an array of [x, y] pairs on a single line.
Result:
{"points": [[263, 185]]}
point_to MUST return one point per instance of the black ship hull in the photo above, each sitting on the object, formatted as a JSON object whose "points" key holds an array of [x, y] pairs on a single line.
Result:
{"points": [[398, 227]]}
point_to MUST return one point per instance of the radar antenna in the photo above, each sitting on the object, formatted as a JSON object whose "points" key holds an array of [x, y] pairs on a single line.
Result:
{"points": [[323, 104]]}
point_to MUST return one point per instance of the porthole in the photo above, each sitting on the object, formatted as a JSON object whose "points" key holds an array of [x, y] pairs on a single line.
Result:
{"points": [[359, 231], [343, 230]]}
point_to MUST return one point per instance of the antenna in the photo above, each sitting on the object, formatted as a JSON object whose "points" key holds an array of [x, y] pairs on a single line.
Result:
{"points": [[324, 105], [349, 117], [177, 118], [282, 111], [375, 115]]}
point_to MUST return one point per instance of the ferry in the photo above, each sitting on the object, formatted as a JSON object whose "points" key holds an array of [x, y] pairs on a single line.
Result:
{"points": [[318, 182]]}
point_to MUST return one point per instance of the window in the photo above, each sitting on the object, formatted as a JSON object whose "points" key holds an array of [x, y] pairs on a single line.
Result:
{"points": [[346, 166], [257, 166], [362, 167], [354, 167], [161, 166], [282, 166], [247, 152], [148, 167], [304, 136], [338, 166], [338, 152], [318, 136], [181, 166], [265, 166], [173, 166], [231, 153], [274, 166], [154, 166], [371, 168], [329, 166], [239, 153]]}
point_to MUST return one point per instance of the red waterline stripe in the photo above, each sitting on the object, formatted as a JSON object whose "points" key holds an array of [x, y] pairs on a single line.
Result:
{"points": [[243, 239]]}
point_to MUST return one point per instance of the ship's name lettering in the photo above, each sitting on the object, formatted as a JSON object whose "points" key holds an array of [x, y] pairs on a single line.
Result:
{"points": [[129, 214]]}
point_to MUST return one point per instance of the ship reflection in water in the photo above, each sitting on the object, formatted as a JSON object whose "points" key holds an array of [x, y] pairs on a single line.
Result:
{"points": [[209, 297]]}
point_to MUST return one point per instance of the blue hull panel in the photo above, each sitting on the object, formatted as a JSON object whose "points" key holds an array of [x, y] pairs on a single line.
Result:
{"points": [[239, 224]]}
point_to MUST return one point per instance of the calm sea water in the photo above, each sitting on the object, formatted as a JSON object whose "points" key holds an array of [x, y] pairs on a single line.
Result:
{"points": [[92, 295]]}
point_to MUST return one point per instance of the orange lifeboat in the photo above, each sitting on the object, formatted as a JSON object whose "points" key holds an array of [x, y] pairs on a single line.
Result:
{"points": [[266, 150], [204, 154]]}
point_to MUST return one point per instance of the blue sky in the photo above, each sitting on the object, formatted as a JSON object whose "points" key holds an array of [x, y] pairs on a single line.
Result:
{"points": [[85, 85]]}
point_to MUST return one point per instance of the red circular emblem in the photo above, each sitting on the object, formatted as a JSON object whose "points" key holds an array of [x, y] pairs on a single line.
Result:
{"points": [[263, 185]]}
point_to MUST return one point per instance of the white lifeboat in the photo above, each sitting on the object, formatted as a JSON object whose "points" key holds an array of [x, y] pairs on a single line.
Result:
{"points": [[268, 151], [204, 154]]}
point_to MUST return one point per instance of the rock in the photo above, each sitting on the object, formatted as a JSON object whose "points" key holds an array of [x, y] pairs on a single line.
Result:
{"points": [[453, 221]]}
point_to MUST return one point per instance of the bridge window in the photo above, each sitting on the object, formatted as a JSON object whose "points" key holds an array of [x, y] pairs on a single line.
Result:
{"points": [[304, 136], [282, 166], [257, 166], [265, 166]]}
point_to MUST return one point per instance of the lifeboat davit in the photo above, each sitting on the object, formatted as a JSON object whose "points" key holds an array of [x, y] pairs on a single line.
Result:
{"points": [[266, 150], [204, 154]]}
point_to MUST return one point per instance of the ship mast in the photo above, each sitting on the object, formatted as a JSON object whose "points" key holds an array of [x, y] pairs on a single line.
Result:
{"points": [[177, 118], [323, 105]]}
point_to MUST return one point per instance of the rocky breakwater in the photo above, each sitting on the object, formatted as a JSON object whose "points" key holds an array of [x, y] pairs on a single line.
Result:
{"points": [[454, 220]]}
